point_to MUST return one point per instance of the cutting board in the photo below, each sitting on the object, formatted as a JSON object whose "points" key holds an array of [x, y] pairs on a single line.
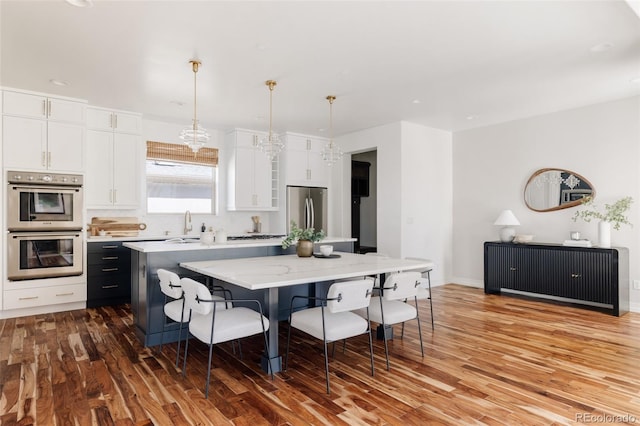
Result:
{"points": [[116, 226]]}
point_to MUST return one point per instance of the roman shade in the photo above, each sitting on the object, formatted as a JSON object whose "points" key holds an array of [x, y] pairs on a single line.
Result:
{"points": [[181, 153]]}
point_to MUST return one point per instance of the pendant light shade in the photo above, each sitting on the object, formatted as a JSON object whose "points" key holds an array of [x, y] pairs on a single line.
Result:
{"points": [[271, 145], [331, 153], [194, 136]]}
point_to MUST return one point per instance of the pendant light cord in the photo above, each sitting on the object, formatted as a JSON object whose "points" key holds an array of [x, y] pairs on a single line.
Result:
{"points": [[331, 98], [271, 84], [195, 94]]}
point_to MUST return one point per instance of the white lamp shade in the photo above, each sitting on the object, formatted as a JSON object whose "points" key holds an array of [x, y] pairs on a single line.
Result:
{"points": [[506, 218]]}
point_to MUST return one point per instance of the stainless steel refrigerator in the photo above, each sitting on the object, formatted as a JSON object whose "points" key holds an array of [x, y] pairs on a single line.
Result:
{"points": [[307, 207]]}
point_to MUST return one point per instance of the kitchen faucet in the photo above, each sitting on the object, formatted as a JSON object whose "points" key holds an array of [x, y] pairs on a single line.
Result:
{"points": [[187, 222]]}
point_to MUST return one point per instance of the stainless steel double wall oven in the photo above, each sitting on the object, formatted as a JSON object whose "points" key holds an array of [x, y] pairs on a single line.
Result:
{"points": [[44, 220]]}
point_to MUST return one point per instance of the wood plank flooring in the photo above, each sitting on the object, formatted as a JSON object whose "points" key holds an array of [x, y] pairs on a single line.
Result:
{"points": [[492, 360]]}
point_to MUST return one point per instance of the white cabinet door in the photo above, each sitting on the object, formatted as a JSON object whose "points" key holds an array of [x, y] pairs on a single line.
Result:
{"points": [[43, 133], [296, 165], [304, 163], [250, 178], [318, 168], [24, 143], [245, 195], [262, 180], [99, 177], [127, 123], [67, 111], [99, 119], [125, 171], [112, 170], [109, 120], [25, 105], [36, 106], [65, 147]]}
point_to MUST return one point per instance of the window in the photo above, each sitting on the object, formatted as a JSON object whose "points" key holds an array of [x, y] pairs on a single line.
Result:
{"points": [[178, 180]]}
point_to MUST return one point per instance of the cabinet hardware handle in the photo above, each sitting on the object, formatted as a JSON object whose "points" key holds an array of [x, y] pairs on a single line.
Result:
{"points": [[576, 275], [111, 196], [144, 271], [109, 247], [28, 298], [308, 144], [115, 196], [109, 269], [115, 121], [110, 286], [49, 159], [43, 157], [65, 294], [49, 107], [110, 258], [511, 268], [44, 108]]}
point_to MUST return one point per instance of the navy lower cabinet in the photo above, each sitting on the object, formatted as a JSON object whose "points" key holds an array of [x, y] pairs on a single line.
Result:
{"points": [[108, 274], [592, 276]]}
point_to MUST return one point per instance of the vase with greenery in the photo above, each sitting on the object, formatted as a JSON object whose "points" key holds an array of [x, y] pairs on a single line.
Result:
{"points": [[614, 215], [304, 237]]}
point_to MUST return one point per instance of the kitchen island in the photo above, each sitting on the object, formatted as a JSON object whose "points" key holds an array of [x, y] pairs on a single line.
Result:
{"points": [[148, 256]]}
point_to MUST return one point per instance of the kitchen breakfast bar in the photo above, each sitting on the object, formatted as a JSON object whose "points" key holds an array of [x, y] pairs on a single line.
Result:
{"points": [[260, 271], [147, 257]]}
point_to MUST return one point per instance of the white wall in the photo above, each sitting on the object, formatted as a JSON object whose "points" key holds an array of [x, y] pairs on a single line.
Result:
{"points": [[158, 224], [414, 191], [427, 194], [492, 164]]}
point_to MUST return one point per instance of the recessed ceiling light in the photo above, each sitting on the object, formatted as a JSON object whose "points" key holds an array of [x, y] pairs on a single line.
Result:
{"points": [[471, 117], [58, 82], [416, 101], [80, 3], [601, 47]]}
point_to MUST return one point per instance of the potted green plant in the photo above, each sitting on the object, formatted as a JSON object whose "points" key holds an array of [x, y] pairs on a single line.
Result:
{"points": [[613, 215], [305, 237]]}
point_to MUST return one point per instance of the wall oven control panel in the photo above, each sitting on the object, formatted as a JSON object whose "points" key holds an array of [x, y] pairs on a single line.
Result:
{"points": [[26, 178]]}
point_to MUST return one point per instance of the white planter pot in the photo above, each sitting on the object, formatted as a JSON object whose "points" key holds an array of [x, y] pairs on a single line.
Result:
{"points": [[604, 234]]}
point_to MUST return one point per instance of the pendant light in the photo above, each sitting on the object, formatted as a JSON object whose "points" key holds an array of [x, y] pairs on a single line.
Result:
{"points": [[271, 145], [331, 152], [194, 136]]}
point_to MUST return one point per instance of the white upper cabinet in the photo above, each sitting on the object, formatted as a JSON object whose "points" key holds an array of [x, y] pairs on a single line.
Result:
{"points": [[252, 179], [113, 173], [42, 133], [110, 120], [303, 164], [43, 107]]}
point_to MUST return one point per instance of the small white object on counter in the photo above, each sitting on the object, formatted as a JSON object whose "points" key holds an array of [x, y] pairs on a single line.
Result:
{"points": [[206, 238], [326, 250]]}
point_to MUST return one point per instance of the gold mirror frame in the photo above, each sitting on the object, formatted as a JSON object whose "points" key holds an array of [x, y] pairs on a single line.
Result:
{"points": [[565, 186]]}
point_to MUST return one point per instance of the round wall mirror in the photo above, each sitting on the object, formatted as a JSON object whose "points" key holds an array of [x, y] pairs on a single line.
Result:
{"points": [[554, 189]]}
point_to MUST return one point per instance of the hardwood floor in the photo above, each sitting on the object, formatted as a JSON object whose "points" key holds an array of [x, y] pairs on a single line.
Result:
{"points": [[491, 360]]}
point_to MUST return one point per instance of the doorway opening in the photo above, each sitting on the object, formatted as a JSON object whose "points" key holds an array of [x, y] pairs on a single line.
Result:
{"points": [[364, 201]]}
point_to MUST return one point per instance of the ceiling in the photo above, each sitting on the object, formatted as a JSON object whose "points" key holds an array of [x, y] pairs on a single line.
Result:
{"points": [[450, 65]]}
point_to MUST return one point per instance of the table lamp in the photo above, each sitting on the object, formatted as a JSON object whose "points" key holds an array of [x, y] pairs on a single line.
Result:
{"points": [[507, 220]]}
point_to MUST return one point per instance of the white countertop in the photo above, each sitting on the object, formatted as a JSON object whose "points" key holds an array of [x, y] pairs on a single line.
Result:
{"points": [[164, 246], [256, 273]]}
